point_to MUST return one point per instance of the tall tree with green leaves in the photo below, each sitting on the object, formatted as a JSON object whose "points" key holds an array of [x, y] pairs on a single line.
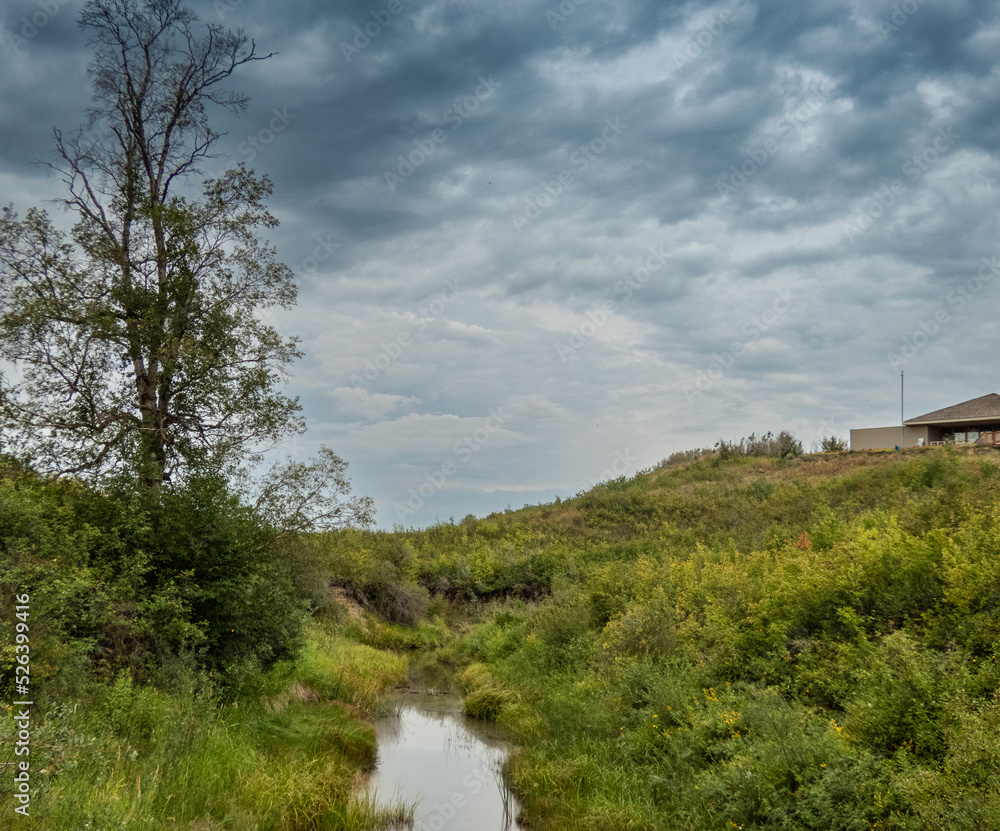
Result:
{"points": [[137, 339]]}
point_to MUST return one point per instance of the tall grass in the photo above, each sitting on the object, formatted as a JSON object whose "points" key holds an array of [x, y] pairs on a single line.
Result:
{"points": [[126, 756], [358, 674]]}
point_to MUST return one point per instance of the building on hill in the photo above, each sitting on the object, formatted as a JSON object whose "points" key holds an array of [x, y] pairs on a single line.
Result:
{"points": [[972, 422]]}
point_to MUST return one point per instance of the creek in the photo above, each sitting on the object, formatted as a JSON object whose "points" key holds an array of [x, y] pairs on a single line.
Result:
{"points": [[430, 754]]}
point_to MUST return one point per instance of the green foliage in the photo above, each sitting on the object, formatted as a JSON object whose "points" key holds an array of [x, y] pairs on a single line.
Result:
{"points": [[389, 596], [133, 711], [373, 568], [618, 505], [561, 622], [782, 446], [643, 629], [215, 555], [125, 755], [748, 642], [501, 633], [383, 571], [347, 671], [900, 696], [197, 581], [833, 444]]}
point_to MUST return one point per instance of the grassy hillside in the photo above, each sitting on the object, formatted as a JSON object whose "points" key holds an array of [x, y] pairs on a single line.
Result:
{"points": [[733, 642], [743, 643]]}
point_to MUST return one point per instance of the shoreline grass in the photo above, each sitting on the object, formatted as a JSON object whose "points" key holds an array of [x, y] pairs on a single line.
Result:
{"points": [[127, 756]]}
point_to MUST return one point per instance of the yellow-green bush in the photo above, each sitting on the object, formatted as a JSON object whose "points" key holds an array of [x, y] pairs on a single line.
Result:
{"points": [[776, 647]]}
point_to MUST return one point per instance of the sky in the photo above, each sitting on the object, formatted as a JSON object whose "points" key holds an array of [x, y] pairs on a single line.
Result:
{"points": [[540, 244]]}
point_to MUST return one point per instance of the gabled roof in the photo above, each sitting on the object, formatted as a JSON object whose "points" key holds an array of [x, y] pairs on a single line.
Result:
{"points": [[984, 409]]}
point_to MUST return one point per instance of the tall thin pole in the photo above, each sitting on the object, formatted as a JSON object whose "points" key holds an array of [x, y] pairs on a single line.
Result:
{"points": [[901, 418]]}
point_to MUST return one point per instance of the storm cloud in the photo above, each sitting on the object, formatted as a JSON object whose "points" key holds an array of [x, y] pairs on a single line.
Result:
{"points": [[540, 243]]}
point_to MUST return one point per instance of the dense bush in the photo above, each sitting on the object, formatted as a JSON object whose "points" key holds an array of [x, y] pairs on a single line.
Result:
{"points": [[744, 643], [116, 586]]}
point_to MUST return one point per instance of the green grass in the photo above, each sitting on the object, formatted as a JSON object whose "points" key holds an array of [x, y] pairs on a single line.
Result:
{"points": [[335, 666], [380, 634], [128, 757]]}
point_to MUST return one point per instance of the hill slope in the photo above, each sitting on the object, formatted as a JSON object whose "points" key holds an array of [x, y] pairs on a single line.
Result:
{"points": [[752, 643]]}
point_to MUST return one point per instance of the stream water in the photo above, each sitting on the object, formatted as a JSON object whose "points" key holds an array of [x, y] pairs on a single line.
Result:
{"points": [[431, 755]]}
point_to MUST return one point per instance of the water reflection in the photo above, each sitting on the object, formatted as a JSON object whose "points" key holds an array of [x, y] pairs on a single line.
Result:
{"points": [[432, 755]]}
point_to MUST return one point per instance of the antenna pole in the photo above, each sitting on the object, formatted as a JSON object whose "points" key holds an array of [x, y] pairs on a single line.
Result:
{"points": [[901, 418]]}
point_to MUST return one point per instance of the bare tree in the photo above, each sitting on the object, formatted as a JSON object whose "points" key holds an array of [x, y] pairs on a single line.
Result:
{"points": [[138, 340]]}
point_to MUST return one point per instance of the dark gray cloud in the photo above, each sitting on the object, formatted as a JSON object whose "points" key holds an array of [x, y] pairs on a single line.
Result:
{"points": [[539, 242]]}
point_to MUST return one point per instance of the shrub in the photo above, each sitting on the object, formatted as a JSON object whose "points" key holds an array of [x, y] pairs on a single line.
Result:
{"points": [[134, 712], [833, 444], [560, 620], [195, 581], [899, 699], [786, 768], [782, 446], [643, 629], [392, 598], [498, 637], [212, 559]]}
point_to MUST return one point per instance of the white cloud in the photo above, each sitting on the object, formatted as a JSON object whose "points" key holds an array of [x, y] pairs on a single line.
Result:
{"points": [[358, 401]]}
